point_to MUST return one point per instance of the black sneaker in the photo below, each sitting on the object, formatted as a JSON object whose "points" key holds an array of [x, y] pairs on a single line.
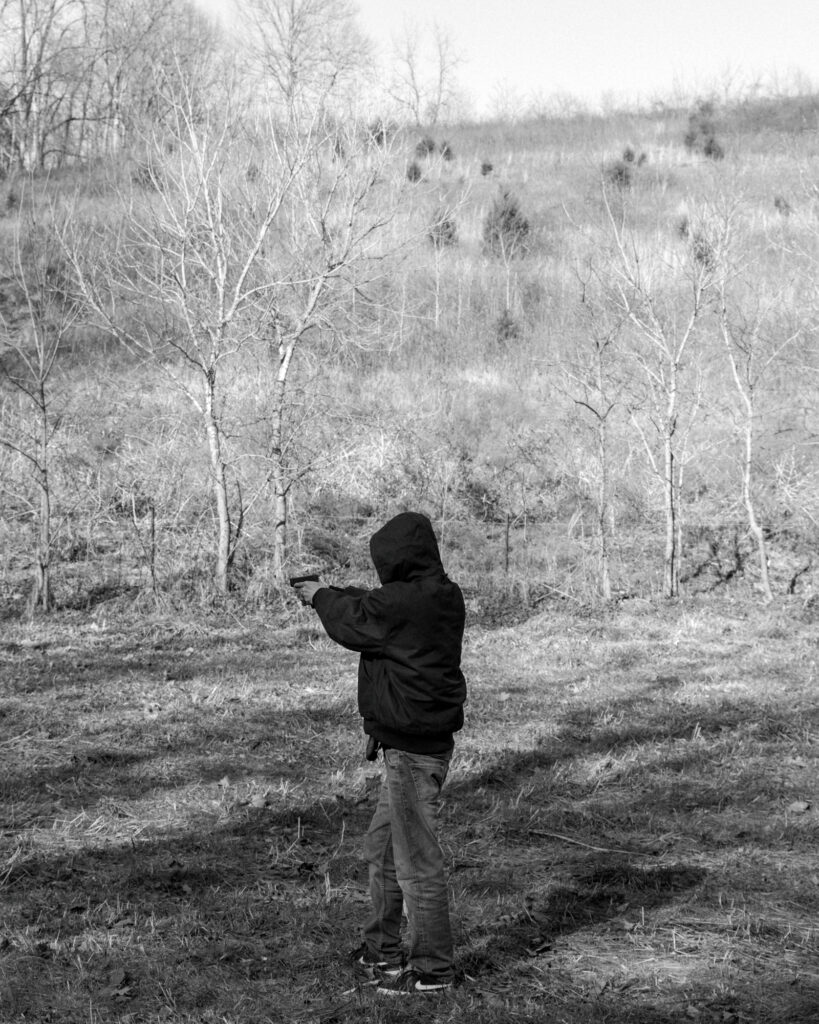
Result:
{"points": [[413, 983], [368, 966]]}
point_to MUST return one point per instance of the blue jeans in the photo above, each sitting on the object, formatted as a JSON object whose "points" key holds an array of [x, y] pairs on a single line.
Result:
{"points": [[406, 863]]}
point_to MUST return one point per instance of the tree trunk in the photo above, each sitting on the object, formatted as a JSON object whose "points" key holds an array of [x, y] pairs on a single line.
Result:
{"points": [[219, 478], [747, 498], [603, 513], [671, 571], [745, 386], [40, 595], [280, 484]]}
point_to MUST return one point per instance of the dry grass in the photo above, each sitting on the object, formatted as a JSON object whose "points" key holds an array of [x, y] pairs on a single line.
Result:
{"points": [[631, 822]]}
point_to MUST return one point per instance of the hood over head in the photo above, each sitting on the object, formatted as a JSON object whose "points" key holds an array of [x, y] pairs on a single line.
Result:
{"points": [[405, 548]]}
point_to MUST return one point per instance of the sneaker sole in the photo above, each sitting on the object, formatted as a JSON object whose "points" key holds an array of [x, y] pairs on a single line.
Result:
{"points": [[425, 990]]}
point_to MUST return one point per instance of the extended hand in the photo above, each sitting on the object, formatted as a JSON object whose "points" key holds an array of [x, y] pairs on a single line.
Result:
{"points": [[306, 591]]}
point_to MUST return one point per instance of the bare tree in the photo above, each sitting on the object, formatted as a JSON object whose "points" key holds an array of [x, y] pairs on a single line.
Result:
{"points": [[662, 298], [753, 343], [37, 318], [338, 213], [594, 381], [424, 75], [305, 48]]}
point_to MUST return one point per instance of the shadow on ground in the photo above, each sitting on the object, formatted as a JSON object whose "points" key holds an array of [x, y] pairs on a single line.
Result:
{"points": [[248, 907]]}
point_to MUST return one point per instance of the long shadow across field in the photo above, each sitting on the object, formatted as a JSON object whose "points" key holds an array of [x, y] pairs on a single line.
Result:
{"points": [[165, 753], [256, 907], [222, 910], [240, 911]]}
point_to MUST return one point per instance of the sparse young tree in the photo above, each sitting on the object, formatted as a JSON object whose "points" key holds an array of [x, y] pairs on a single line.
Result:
{"points": [[423, 85], [35, 320], [506, 229], [662, 300], [753, 343], [506, 237], [593, 374]]}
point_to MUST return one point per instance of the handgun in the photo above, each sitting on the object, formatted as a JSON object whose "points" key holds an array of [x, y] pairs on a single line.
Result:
{"points": [[311, 577]]}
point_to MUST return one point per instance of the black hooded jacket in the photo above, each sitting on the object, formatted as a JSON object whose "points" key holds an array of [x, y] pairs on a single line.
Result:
{"points": [[409, 633]]}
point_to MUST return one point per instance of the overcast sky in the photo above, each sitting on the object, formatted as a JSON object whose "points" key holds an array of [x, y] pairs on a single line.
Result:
{"points": [[592, 48]]}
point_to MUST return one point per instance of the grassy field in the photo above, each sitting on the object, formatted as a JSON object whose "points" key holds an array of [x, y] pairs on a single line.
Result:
{"points": [[631, 821]]}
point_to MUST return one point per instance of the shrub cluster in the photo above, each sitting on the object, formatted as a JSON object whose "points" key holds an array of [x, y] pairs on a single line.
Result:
{"points": [[620, 172], [701, 135], [425, 147]]}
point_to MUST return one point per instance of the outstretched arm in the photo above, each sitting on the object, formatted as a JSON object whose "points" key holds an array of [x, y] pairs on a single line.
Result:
{"points": [[356, 619]]}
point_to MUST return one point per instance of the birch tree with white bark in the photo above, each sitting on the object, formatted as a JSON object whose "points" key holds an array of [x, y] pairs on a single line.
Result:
{"points": [[661, 297], [756, 335]]}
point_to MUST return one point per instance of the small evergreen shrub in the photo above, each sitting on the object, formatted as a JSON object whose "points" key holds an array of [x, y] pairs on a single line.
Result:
{"points": [[618, 173], [414, 171], [425, 147], [506, 229], [506, 327], [446, 152], [630, 157], [712, 149], [486, 168], [782, 206]]}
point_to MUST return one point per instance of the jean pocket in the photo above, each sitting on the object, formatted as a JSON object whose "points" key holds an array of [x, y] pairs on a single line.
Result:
{"points": [[428, 771]]}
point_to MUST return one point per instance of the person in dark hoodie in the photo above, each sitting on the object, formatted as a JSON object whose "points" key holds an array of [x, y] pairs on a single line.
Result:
{"points": [[411, 693]]}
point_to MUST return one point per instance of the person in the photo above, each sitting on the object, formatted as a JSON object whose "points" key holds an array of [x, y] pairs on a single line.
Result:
{"points": [[411, 692]]}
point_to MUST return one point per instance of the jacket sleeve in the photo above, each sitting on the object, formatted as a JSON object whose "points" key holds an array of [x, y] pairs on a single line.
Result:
{"points": [[354, 618]]}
